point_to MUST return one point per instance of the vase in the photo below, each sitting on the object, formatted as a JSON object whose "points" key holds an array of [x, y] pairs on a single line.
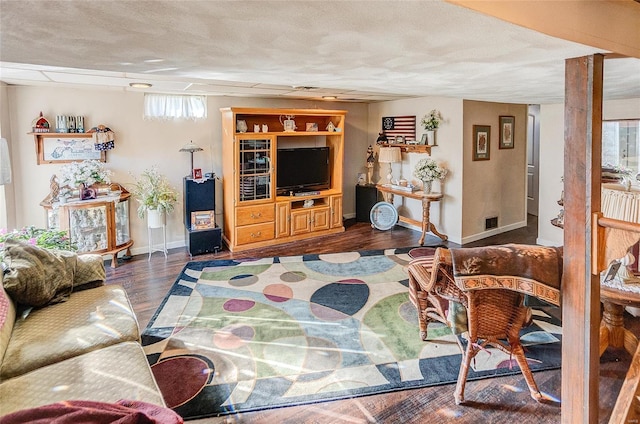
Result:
{"points": [[426, 186], [86, 193], [431, 138], [155, 218]]}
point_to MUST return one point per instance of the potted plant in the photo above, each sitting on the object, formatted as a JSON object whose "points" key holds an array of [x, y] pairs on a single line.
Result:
{"points": [[155, 196], [427, 170], [431, 121]]}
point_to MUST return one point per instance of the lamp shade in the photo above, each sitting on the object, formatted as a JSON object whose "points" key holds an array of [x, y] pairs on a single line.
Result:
{"points": [[191, 147], [390, 155]]}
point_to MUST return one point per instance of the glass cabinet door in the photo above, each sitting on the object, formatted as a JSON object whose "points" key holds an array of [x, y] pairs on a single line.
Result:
{"points": [[53, 218], [88, 228], [122, 222], [254, 166]]}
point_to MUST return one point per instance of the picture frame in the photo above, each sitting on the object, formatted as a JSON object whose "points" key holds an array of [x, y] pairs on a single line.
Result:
{"points": [[481, 142], [197, 174], [203, 220], [66, 148], [423, 139], [507, 126], [399, 139], [312, 127]]}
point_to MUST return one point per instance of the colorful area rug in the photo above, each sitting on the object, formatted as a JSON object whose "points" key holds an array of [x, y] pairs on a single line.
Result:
{"points": [[243, 335]]}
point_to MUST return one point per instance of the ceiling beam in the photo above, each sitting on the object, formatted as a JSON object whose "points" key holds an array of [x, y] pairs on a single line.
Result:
{"points": [[611, 25]]}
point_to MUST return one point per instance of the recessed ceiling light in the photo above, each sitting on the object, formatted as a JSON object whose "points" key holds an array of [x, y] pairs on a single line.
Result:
{"points": [[140, 85], [329, 97]]}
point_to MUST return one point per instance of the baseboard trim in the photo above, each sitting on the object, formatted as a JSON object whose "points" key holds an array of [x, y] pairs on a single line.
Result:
{"points": [[493, 232]]}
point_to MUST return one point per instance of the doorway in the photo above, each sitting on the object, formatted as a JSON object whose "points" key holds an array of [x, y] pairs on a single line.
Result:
{"points": [[533, 158]]}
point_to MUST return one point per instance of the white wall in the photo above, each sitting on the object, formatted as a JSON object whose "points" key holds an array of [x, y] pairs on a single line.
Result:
{"points": [[552, 161], [141, 144], [446, 214], [494, 187]]}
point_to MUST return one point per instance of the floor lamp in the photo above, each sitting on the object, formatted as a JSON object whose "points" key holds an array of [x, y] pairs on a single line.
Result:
{"points": [[390, 155]]}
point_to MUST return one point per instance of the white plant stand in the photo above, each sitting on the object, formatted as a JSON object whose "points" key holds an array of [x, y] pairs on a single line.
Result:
{"points": [[156, 220]]}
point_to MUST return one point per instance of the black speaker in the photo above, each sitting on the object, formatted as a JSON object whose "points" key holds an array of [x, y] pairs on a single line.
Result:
{"points": [[204, 241], [199, 195], [366, 197]]}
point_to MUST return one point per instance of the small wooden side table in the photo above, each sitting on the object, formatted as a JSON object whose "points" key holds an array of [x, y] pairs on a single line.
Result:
{"points": [[612, 331], [388, 192]]}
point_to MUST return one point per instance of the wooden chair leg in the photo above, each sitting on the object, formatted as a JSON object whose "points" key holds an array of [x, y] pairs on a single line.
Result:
{"points": [[518, 352], [469, 353]]}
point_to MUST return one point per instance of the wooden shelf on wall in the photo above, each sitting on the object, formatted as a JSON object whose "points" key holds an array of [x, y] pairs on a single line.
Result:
{"points": [[410, 148]]}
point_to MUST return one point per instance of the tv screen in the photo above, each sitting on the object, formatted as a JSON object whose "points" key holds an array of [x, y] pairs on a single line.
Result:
{"points": [[302, 169]]}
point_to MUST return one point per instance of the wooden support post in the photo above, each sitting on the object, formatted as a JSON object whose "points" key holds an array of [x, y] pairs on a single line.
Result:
{"points": [[580, 288]]}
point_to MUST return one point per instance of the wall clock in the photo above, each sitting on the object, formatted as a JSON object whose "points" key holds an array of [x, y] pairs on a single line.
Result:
{"points": [[383, 216]]}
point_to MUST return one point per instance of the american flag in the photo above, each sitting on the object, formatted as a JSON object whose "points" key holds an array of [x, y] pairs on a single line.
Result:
{"points": [[393, 126]]}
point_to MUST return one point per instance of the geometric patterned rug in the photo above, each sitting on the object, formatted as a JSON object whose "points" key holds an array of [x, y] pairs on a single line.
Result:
{"points": [[243, 335]]}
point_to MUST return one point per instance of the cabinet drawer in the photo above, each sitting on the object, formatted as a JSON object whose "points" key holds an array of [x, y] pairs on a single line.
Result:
{"points": [[247, 215], [254, 233]]}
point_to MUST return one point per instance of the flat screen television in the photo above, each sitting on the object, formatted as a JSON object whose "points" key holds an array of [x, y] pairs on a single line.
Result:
{"points": [[302, 169]]}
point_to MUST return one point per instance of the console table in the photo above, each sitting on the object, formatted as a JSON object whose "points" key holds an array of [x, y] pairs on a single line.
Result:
{"points": [[388, 192]]}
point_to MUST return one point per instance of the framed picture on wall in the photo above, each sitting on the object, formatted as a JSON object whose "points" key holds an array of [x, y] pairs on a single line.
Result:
{"points": [[66, 148], [506, 132], [481, 142]]}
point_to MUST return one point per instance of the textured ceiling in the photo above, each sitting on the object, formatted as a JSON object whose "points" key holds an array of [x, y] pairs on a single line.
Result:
{"points": [[356, 50]]}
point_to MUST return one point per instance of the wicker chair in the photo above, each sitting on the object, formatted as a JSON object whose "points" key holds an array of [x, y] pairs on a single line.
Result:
{"points": [[493, 314]]}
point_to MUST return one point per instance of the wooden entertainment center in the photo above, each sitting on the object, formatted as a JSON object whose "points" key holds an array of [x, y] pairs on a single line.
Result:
{"points": [[255, 215]]}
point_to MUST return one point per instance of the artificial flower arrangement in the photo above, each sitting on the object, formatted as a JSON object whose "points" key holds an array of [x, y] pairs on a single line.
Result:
{"points": [[429, 170], [431, 121], [153, 191], [46, 238], [87, 172]]}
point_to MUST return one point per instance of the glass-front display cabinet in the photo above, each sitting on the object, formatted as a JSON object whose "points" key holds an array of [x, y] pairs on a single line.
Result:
{"points": [[99, 225], [254, 168]]}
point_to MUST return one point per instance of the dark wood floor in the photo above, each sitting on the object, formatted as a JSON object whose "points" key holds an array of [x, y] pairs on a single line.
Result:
{"points": [[497, 400]]}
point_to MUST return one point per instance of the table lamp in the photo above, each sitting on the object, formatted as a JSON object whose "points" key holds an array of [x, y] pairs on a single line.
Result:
{"points": [[390, 155], [191, 148]]}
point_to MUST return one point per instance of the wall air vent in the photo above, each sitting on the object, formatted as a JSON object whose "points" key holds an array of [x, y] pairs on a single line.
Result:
{"points": [[491, 223]]}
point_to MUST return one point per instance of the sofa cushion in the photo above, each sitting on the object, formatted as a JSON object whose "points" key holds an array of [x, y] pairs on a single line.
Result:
{"points": [[38, 276], [107, 375], [89, 320]]}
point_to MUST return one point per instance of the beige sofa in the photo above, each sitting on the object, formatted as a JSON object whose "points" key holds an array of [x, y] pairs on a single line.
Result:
{"points": [[84, 348]]}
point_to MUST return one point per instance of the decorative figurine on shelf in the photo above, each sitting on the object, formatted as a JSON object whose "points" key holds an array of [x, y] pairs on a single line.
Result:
{"points": [[40, 124], [382, 138], [331, 127], [288, 124], [371, 159]]}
